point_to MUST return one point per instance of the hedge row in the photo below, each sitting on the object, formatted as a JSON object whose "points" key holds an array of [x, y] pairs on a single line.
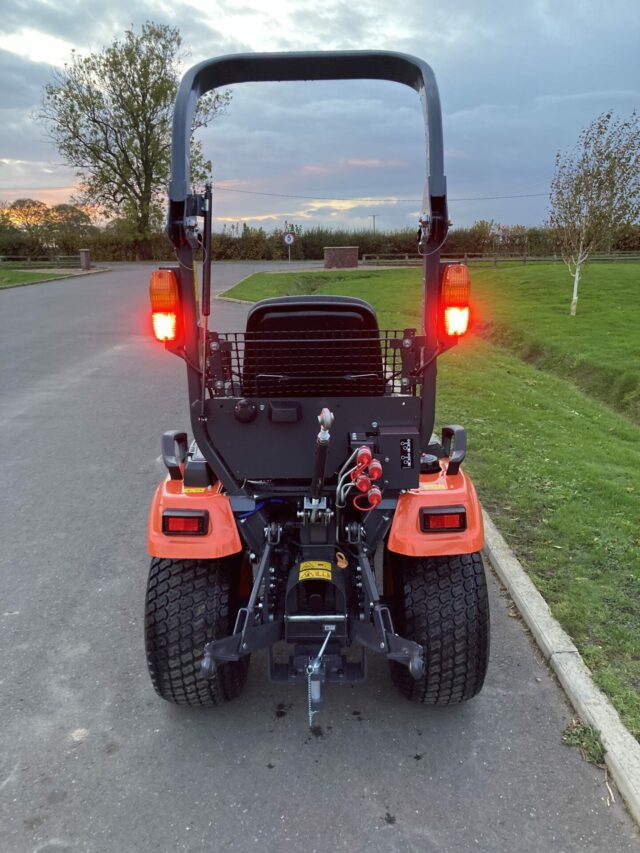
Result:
{"points": [[246, 243]]}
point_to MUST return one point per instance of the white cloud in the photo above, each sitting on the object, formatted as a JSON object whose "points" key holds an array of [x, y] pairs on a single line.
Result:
{"points": [[33, 44]]}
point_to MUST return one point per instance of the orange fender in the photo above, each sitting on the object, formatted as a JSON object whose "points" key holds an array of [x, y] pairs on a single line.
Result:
{"points": [[222, 538], [437, 490]]}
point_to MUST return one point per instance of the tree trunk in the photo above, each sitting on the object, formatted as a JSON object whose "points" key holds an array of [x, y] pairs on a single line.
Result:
{"points": [[576, 284], [144, 245]]}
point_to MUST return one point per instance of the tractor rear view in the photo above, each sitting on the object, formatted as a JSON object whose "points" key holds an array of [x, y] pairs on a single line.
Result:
{"points": [[312, 456]]}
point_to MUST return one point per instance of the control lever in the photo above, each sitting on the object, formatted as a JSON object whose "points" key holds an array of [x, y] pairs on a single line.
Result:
{"points": [[325, 419]]}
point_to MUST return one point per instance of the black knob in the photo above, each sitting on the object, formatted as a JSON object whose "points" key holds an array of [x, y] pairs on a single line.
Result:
{"points": [[429, 464], [245, 411]]}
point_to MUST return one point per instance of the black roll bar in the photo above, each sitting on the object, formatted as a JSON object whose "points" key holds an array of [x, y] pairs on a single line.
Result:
{"points": [[311, 65]]}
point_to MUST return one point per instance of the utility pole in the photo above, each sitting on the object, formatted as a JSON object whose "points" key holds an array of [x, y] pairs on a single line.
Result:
{"points": [[374, 216]]}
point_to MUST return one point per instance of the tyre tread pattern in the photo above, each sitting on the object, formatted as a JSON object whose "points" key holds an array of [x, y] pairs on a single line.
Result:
{"points": [[189, 603], [443, 605]]}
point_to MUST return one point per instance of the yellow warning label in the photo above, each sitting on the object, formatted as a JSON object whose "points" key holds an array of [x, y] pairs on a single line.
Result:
{"points": [[315, 570], [193, 490], [432, 487]]}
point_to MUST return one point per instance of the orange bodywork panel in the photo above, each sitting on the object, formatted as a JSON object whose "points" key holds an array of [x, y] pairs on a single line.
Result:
{"points": [[222, 538], [437, 490]]}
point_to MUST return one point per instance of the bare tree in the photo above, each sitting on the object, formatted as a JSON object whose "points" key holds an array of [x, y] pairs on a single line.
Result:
{"points": [[595, 190]]}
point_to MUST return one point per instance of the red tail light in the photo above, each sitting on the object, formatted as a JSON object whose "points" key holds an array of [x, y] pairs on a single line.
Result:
{"points": [[442, 519], [185, 522], [456, 321], [164, 326], [455, 294], [165, 303]]}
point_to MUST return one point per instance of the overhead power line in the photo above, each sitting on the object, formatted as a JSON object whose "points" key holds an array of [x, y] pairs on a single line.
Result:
{"points": [[367, 199], [317, 197]]}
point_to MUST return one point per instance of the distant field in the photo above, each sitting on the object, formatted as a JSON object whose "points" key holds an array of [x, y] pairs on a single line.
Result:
{"points": [[14, 278], [558, 470]]}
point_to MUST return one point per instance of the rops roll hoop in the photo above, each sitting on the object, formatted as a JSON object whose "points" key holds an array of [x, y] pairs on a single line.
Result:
{"points": [[313, 465]]}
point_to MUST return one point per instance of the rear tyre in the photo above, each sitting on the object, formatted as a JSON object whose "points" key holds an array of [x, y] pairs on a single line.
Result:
{"points": [[189, 603], [442, 603]]}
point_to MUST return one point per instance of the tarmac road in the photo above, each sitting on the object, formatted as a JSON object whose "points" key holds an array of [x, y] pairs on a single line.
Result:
{"points": [[92, 760]]}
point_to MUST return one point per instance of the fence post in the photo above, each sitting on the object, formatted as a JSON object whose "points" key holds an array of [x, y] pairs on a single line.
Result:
{"points": [[495, 260], [85, 260]]}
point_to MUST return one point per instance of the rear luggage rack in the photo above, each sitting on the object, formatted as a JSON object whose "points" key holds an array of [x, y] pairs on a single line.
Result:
{"points": [[313, 363]]}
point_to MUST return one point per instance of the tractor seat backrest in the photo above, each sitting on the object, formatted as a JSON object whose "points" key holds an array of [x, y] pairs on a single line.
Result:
{"points": [[312, 346]]}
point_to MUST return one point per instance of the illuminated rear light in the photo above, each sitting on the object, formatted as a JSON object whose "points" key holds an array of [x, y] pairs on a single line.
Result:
{"points": [[442, 519], [164, 326], [165, 304], [456, 321], [455, 295], [163, 290], [186, 522]]}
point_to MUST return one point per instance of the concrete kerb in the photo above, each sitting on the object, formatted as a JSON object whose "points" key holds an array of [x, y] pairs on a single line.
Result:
{"points": [[622, 750], [231, 299], [224, 298]]}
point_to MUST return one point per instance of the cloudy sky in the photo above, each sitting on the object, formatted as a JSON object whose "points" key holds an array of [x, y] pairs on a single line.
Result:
{"points": [[518, 80]]}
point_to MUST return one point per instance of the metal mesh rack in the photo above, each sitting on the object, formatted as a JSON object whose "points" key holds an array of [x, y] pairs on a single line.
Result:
{"points": [[314, 364]]}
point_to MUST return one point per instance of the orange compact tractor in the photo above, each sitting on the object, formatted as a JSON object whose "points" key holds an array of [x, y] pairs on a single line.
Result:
{"points": [[312, 460]]}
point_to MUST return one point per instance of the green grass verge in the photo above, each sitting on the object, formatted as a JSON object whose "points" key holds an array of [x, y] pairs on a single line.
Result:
{"points": [[558, 471], [14, 278], [526, 309]]}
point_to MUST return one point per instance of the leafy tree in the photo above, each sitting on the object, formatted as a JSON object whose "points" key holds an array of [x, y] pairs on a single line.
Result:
{"points": [[483, 235], [29, 215], [109, 115], [67, 227], [6, 225], [595, 190]]}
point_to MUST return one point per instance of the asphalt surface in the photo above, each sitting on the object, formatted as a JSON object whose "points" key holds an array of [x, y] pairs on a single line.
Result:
{"points": [[92, 760]]}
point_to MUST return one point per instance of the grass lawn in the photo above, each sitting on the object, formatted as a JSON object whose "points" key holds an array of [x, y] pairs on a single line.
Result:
{"points": [[16, 278], [526, 308], [558, 470]]}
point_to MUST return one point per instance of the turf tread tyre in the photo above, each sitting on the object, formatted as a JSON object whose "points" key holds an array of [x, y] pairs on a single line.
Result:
{"points": [[189, 603], [442, 604]]}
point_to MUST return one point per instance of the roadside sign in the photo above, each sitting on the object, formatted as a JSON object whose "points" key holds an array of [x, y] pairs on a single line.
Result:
{"points": [[288, 239]]}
